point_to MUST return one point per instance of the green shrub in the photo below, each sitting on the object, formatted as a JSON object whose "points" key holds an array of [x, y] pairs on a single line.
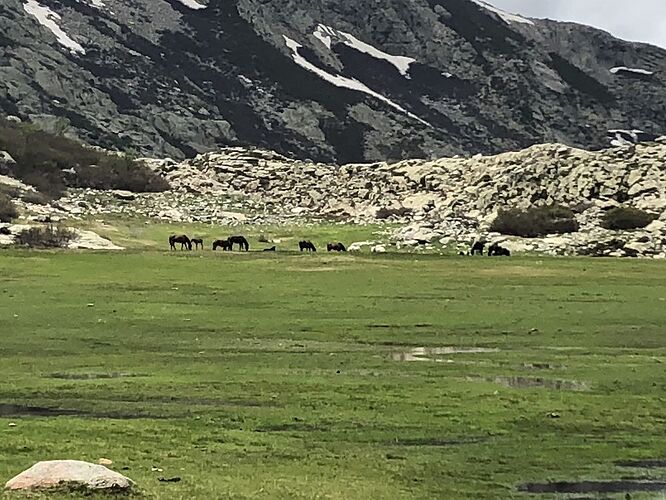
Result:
{"points": [[45, 237], [41, 158], [535, 222], [8, 210], [622, 218]]}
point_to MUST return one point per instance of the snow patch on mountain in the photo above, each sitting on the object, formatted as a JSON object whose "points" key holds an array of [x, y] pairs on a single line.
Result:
{"points": [[192, 4], [328, 36], [624, 69], [49, 19], [622, 137], [95, 3], [505, 16], [342, 81]]}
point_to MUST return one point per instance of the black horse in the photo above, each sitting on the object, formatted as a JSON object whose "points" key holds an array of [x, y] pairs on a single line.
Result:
{"points": [[240, 241], [307, 245], [223, 244], [495, 250], [336, 247], [184, 241], [197, 242], [477, 248]]}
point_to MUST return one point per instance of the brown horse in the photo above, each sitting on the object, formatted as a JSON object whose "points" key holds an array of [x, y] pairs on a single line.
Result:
{"points": [[336, 247], [240, 241], [184, 241], [197, 242], [225, 245], [307, 245]]}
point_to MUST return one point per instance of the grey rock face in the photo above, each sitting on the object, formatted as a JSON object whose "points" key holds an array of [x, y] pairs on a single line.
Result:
{"points": [[349, 82]]}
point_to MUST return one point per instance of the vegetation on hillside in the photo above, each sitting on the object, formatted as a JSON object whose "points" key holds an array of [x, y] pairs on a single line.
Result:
{"points": [[535, 221], [8, 211], [626, 218], [49, 236], [52, 163]]}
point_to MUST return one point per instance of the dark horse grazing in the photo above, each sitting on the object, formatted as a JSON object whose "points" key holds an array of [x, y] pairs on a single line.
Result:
{"points": [[197, 242], [495, 250], [307, 245], [184, 241], [478, 247], [336, 247], [240, 241], [223, 244]]}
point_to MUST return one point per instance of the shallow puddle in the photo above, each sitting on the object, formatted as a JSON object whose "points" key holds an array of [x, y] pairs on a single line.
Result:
{"points": [[13, 410], [593, 487], [534, 382], [643, 464], [430, 441], [436, 353]]}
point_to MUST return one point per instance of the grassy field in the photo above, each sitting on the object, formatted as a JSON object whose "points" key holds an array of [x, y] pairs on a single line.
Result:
{"points": [[332, 376]]}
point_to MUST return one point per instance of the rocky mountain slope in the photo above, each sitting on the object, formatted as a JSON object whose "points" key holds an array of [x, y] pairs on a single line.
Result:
{"points": [[336, 82]]}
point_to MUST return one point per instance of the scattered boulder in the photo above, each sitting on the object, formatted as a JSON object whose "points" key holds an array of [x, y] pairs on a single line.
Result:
{"points": [[123, 195], [89, 240], [75, 473]]}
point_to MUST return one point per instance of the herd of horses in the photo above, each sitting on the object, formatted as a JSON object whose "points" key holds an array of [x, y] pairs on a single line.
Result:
{"points": [[186, 243]]}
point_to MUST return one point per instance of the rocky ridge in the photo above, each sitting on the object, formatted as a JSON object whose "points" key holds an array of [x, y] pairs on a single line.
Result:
{"points": [[336, 82], [447, 202]]}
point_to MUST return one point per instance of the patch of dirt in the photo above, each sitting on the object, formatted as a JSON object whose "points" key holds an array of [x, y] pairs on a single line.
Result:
{"points": [[295, 427], [430, 441], [519, 271], [593, 487], [435, 353], [93, 376], [643, 464]]}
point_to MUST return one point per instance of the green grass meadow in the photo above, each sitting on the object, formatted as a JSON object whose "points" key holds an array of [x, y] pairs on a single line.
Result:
{"points": [[354, 376]]}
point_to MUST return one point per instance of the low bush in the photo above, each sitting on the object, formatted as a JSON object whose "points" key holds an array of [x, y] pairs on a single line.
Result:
{"points": [[8, 211], [45, 237], [625, 218], [52, 163], [386, 213], [535, 222]]}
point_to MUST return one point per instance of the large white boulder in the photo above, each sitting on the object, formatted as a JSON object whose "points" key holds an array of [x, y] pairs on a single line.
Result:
{"points": [[89, 240], [55, 473]]}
